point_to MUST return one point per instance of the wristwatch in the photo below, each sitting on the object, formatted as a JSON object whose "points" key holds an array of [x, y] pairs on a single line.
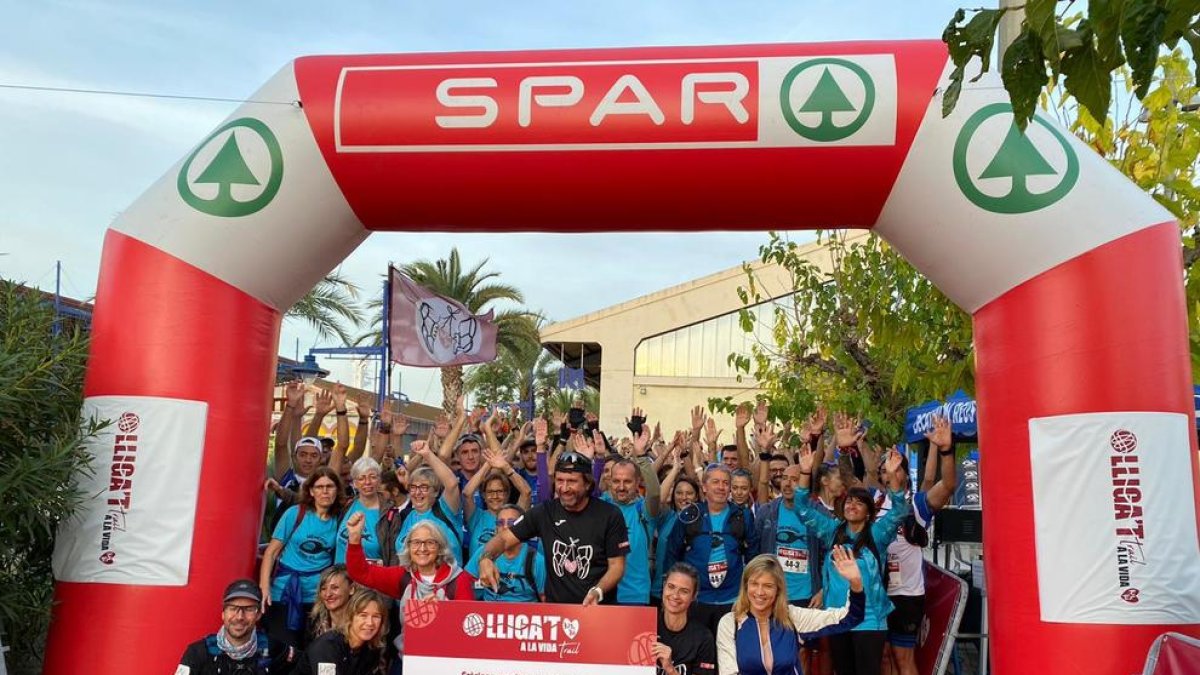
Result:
{"points": [[599, 592]]}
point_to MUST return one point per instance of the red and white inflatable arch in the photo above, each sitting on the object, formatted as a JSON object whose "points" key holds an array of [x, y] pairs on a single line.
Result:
{"points": [[1072, 274]]}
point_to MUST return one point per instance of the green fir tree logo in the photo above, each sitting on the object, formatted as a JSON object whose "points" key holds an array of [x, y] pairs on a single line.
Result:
{"points": [[228, 167], [827, 99], [1016, 160]]}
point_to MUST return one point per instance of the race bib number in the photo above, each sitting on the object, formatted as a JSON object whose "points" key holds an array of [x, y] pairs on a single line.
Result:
{"points": [[716, 573], [183, 670], [327, 669], [893, 569], [793, 560]]}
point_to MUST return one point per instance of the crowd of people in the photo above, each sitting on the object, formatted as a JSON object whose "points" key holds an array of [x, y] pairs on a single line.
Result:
{"points": [[794, 549]]}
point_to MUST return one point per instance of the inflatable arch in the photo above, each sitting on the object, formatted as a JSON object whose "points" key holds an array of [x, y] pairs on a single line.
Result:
{"points": [[1071, 272]]}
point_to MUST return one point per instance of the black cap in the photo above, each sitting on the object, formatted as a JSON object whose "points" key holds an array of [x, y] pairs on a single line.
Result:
{"points": [[243, 588]]}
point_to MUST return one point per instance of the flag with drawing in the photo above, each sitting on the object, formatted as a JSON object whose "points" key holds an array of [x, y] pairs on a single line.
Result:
{"points": [[431, 331]]}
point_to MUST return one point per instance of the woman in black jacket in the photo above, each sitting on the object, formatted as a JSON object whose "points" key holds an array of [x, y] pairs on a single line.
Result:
{"points": [[354, 649]]}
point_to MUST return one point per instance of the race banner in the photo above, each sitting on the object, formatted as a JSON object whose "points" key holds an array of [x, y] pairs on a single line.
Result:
{"points": [[945, 601], [136, 524], [503, 638], [1123, 470], [431, 331]]}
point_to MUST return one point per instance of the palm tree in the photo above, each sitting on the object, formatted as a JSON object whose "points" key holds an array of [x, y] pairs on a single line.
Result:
{"points": [[561, 400], [519, 373], [331, 307], [477, 290]]}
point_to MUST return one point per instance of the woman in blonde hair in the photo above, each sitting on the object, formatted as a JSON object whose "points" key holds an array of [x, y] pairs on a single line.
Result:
{"points": [[331, 610], [763, 634], [356, 647]]}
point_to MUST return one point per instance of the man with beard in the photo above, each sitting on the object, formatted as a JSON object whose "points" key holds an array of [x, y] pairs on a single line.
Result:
{"points": [[684, 647], [584, 539], [236, 647]]}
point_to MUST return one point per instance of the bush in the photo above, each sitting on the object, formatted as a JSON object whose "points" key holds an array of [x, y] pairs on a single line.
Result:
{"points": [[41, 450]]}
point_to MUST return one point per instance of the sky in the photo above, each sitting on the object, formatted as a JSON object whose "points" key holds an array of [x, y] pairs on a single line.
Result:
{"points": [[70, 162]]}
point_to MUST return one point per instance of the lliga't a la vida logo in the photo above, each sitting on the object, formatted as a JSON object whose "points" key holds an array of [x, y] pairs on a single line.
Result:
{"points": [[1125, 473], [537, 633]]}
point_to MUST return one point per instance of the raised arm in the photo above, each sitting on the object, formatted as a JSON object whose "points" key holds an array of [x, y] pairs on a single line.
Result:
{"points": [[764, 438], [941, 441], [445, 475], [816, 520], [741, 417], [460, 419], [293, 407], [884, 529], [812, 623], [322, 406], [641, 443], [668, 484], [362, 431]]}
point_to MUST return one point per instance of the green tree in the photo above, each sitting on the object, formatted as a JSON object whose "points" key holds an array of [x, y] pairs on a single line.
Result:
{"points": [[869, 336], [561, 400], [41, 449], [479, 292], [1083, 49], [331, 307]]}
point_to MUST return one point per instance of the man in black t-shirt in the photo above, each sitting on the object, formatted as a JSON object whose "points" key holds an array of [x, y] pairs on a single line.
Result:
{"points": [[584, 540], [684, 647]]}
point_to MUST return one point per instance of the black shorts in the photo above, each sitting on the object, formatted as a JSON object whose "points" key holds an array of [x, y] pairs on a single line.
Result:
{"points": [[905, 620]]}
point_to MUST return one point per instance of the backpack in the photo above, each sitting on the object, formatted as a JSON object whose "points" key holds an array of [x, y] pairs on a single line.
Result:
{"points": [[914, 533], [261, 651], [530, 558], [736, 526]]}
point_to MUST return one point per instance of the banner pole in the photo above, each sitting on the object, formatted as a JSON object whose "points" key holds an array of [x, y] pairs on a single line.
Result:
{"points": [[385, 340]]}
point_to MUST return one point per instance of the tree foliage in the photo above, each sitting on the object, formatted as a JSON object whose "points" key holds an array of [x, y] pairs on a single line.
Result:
{"points": [[869, 336], [331, 308], [561, 400], [1082, 50], [520, 371], [41, 450]]}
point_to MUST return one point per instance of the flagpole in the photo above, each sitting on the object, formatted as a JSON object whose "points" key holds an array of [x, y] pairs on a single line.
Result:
{"points": [[386, 352]]}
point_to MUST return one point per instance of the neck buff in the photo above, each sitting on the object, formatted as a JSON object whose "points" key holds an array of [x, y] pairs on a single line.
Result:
{"points": [[236, 652]]}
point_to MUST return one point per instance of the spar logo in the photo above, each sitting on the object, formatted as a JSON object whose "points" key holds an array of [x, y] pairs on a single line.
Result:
{"points": [[535, 633], [1001, 170], [815, 102], [120, 484], [1125, 473], [235, 172]]}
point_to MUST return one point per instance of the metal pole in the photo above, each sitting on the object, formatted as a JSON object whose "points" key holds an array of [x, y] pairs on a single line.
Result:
{"points": [[57, 310], [1010, 25], [386, 356]]}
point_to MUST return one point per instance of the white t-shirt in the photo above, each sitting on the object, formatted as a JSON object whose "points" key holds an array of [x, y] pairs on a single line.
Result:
{"points": [[906, 564]]}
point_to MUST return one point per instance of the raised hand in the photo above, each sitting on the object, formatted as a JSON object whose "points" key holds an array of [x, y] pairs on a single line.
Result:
{"points": [[940, 437], [339, 397], [847, 567], [540, 433], [816, 422], [741, 416], [496, 460], [295, 394], [760, 412], [806, 459], [712, 435], [583, 445], [558, 418], [476, 416], [399, 425], [322, 403], [764, 437], [354, 527], [364, 411], [891, 468], [421, 448], [641, 442], [441, 428], [845, 429], [697, 418]]}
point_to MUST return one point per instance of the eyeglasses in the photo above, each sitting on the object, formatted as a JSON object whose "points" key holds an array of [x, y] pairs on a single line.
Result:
{"points": [[243, 610], [496, 493], [506, 522], [422, 543], [419, 488]]}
